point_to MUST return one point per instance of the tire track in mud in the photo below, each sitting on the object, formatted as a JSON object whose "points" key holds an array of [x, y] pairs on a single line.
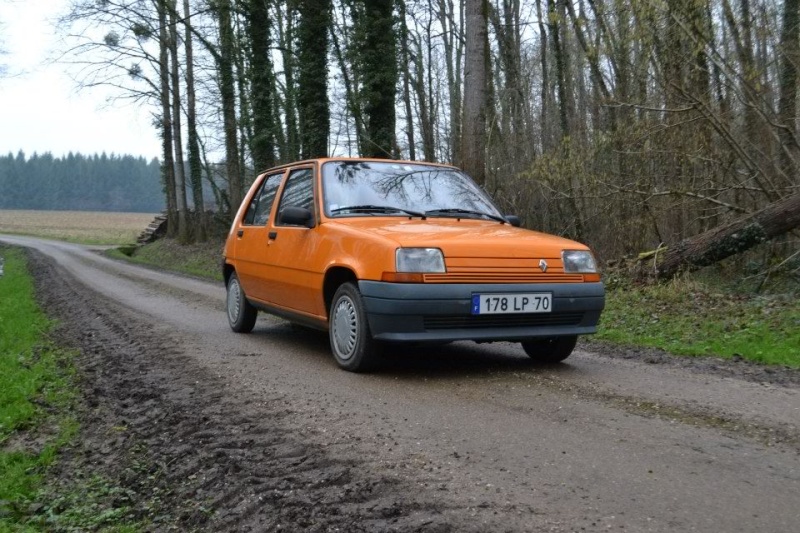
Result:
{"points": [[196, 456]]}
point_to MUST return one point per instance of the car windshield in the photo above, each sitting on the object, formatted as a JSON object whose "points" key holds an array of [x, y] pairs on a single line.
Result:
{"points": [[368, 188]]}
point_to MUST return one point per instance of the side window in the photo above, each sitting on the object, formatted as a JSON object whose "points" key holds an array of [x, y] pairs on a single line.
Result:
{"points": [[299, 190], [259, 208]]}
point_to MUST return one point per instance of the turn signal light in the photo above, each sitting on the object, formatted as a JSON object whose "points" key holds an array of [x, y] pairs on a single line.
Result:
{"points": [[403, 277], [591, 277]]}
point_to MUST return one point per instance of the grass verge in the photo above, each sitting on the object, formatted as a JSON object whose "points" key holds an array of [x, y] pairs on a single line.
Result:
{"points": [[687, 317], [38, 399], [203, 260]]}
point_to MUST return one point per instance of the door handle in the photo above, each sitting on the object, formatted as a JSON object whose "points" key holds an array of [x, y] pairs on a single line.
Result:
{"points": [[240, 233], [273, 235]]}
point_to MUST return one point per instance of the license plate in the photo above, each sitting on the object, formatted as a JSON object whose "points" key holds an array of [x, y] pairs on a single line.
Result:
{"points": [[492, 304]]}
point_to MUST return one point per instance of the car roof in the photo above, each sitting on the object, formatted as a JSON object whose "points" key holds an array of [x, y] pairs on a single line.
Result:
{"points": [[322, 160]]}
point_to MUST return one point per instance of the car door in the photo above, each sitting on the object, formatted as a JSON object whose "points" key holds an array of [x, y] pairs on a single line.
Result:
{"points": [[252, 240], [294, 263]]}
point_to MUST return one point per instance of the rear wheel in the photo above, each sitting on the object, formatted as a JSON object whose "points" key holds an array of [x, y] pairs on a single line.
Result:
{"points": [[551, 349], [241, 314], [351, 342]]}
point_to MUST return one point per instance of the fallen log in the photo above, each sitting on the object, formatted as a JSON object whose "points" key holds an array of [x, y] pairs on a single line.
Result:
{"points": [[729, 239]]}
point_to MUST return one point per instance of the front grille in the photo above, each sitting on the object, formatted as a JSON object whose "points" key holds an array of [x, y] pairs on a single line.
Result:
{"points": [[500, 321], [503, 277], [503, 270]]}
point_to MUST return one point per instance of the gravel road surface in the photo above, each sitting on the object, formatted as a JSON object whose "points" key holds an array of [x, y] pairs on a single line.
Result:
{"points": [[216, 431]]}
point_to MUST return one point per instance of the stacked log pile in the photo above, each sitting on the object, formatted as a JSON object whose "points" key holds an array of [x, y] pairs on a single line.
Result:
{"points": [[156, 230]]}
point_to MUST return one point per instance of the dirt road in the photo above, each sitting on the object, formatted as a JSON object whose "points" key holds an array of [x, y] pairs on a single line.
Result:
{"points": [[218, 431]]}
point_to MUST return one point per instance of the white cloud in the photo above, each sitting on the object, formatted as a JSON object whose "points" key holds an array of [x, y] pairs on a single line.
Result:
{"points": [[40, 108]]}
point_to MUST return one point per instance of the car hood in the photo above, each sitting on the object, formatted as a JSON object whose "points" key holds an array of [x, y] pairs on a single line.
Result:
{"points": [[463, 237]]}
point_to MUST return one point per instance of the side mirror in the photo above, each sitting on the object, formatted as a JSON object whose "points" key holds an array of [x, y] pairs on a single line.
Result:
{"points": [[296, 216], [514, 220]]}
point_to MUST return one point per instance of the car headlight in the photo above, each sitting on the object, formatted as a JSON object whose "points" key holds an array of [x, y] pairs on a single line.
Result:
{"points": [[578, 261], [420, 260]]}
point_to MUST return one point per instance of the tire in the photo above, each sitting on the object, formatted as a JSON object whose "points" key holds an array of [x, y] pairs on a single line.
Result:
{"points": [[241, 314], [550, 350], [351, 341]]}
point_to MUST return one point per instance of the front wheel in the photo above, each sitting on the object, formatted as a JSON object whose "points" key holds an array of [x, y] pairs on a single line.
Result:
{"points": [[550, 350], [351, 342], [241, 314]]}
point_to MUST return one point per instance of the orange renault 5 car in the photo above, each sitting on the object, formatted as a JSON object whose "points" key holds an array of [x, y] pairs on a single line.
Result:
{"points": [[397, 251]]}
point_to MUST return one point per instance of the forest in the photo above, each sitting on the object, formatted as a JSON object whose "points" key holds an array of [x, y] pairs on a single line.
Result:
{"points": [[80, 183], [630, 125]]}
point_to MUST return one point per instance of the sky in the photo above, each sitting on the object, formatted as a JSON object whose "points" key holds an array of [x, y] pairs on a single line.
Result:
{"points": [[41, 108]]}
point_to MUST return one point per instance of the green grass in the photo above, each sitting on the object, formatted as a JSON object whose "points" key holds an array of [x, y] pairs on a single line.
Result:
{"points": [[36, 393], [33, 375], [686, 317], [203, 260], [38, 399]]}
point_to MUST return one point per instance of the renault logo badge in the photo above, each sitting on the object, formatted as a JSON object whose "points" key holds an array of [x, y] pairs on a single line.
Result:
{"points": [[543, 265]]}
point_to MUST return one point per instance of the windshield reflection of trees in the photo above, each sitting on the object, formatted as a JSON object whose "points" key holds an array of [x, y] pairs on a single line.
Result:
{"points": [[405, 186]]}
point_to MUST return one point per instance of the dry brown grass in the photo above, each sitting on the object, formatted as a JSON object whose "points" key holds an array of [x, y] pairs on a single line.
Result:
{"points": [[89, 227]]}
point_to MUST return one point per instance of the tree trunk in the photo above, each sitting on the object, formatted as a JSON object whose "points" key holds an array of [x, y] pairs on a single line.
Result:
{"points": [[380, 78], [473, 139], [591, 53], [245, 113], [452, 58], [426, 124], [562, 67], [262, 145], [545, 95], [166, 121], [787, 105], [312, 91], [406, 64], [350, 88], [718, 243], [184, 235], [228, 95], [192, 140], [509, 93], [291, 150]]}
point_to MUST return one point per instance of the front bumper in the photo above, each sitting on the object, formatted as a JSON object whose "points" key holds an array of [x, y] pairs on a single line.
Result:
{"points": [[442, 312]]}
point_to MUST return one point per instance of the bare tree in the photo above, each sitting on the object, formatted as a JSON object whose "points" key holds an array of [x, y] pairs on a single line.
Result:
{"points": [[192, 140], [787, 104], [670, 118], [473, 155], [405, 61], [453, 42], [287, 16], [177, 131], [168, 164], [228, 94]]}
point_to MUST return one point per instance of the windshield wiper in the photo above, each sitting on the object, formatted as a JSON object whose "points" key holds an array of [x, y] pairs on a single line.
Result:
{"points": [[367, 208], [458, 211]]}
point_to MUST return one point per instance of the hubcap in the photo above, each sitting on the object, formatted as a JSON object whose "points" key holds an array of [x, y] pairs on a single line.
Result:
{"points": [[345, 327], [234, 300]]}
